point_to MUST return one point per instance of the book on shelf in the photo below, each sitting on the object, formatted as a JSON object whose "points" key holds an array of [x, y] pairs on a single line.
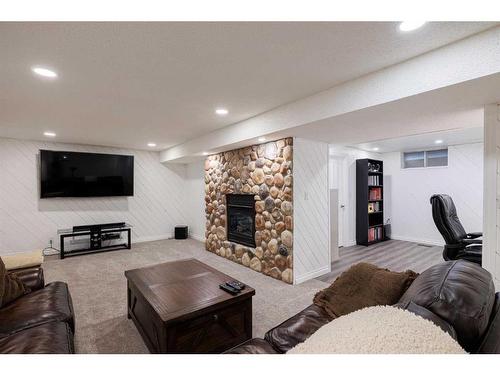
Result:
{"points": [[375, 234], [373, 180], [375, 193], [373, 207]]}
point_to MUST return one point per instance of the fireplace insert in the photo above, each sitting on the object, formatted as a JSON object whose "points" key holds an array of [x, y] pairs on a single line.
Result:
{"points": [[241, 219]]}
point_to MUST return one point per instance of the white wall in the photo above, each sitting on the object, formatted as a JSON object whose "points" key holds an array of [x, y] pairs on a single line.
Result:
{"points": [[27, 222], [195, 205], [311, 211], [345, 159], [407, 193]]}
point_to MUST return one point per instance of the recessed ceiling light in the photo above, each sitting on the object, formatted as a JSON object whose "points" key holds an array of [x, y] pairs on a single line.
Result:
{"points": [[375, 149], [438, 141], [49, 134], [205, 153], [44, 72], [221, 111], [410, 25], [151, 144], [262, 139]]}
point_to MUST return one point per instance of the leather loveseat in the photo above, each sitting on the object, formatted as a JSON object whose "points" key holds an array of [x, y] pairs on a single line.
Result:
{"points": [[41, 321], [459, 296]]}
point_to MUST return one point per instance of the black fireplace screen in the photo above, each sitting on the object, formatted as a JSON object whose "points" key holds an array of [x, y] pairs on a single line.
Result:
{"points": [[241, 219]]}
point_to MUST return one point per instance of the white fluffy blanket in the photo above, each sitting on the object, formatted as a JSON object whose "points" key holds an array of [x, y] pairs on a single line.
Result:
{"points": [[379, 330]]}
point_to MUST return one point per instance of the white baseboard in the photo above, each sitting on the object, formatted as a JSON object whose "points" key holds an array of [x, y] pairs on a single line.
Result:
{"points": [[153, 238], [311, 275], [418, 240], [197, 237], [166, 237], [349, 243]]}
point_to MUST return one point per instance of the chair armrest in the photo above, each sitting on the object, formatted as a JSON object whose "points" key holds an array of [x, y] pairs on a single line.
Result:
{"points": [[473, 249], [470, 241], [474, 235], [31, 277]]}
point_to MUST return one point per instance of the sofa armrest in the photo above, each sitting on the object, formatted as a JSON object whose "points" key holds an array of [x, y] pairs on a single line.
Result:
{"points": [[253, 346], [490, 343], [31, 277], [297, 329]]}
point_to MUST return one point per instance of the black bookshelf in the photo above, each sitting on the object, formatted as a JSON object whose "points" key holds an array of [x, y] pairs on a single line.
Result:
{"points": [[369, 201]]}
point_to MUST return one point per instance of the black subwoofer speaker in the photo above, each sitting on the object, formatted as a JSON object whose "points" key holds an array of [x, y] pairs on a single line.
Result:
{"points": [[181, 232]]}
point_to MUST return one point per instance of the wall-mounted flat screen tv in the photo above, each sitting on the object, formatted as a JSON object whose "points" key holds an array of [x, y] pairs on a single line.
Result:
{"points": [[83, 174]]}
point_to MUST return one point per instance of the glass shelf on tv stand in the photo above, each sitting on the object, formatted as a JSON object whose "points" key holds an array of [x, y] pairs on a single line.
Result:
{"points": [[70, 230]]}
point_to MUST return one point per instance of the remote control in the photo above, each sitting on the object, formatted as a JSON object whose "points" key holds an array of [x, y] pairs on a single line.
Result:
{"points": [[229, 289], [236, 285]]}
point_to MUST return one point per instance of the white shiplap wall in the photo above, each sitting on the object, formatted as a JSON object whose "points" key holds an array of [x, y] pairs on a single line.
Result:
{"points": [[311, 229], [195, 205], [407, 193], [27, 222]]}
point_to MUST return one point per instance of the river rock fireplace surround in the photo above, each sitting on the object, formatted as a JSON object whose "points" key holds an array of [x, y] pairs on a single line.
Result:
{"points": [[249, 207]]}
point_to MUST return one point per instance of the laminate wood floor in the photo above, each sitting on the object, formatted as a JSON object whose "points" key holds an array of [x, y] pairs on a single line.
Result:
{"points": [[393, 254]]}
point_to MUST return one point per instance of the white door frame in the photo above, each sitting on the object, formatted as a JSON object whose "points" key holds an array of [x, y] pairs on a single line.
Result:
{"points": [[340, 159], [491, 201]]}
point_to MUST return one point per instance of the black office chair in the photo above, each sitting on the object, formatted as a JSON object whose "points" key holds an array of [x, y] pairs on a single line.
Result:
{"points": [[459, 244]]}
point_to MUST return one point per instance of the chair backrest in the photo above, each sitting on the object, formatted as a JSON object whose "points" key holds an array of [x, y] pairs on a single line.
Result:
{"points": [[445, 217]]}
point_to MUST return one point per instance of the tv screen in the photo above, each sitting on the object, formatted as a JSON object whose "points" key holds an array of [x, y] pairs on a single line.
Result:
{"points": [[83, 174]]}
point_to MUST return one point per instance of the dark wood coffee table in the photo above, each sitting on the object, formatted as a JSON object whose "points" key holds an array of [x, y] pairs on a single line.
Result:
{"points": [[178, 307]]}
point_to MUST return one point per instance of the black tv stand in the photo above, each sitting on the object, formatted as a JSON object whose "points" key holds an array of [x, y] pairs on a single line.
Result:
{"points": [[98, 233]]}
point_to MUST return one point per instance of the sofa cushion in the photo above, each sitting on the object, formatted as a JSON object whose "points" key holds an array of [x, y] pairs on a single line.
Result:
{"points": [[460, 292], [379, 330], [297, 329], [253, 346], [48, 338], [11, 287], [361, 286], [52, 303]]}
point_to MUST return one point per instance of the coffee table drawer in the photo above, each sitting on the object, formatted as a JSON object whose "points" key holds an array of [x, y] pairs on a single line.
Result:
{"points": [[213, 332]]}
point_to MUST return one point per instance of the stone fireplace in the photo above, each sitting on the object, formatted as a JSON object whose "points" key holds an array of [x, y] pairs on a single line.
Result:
{"points": [[249, 207]]}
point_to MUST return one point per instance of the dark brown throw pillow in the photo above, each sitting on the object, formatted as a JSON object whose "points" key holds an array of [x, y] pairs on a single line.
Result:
{"points": [[11, 287], [361, 286]]}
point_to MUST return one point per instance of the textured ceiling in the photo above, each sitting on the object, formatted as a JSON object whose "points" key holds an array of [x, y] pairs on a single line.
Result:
{"points": [[426, 141], [126, 84]]}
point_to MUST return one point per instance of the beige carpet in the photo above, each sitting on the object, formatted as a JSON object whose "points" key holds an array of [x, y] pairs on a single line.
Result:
{"points": [[98, 288]]}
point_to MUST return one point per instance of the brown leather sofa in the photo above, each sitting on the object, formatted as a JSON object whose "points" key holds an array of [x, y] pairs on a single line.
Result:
{"points": [[459, 296], [40, 322]]}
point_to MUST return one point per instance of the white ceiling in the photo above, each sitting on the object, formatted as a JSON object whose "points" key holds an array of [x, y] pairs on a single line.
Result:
{"points": [[126, 84], [453, 108], [425, 141]]}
